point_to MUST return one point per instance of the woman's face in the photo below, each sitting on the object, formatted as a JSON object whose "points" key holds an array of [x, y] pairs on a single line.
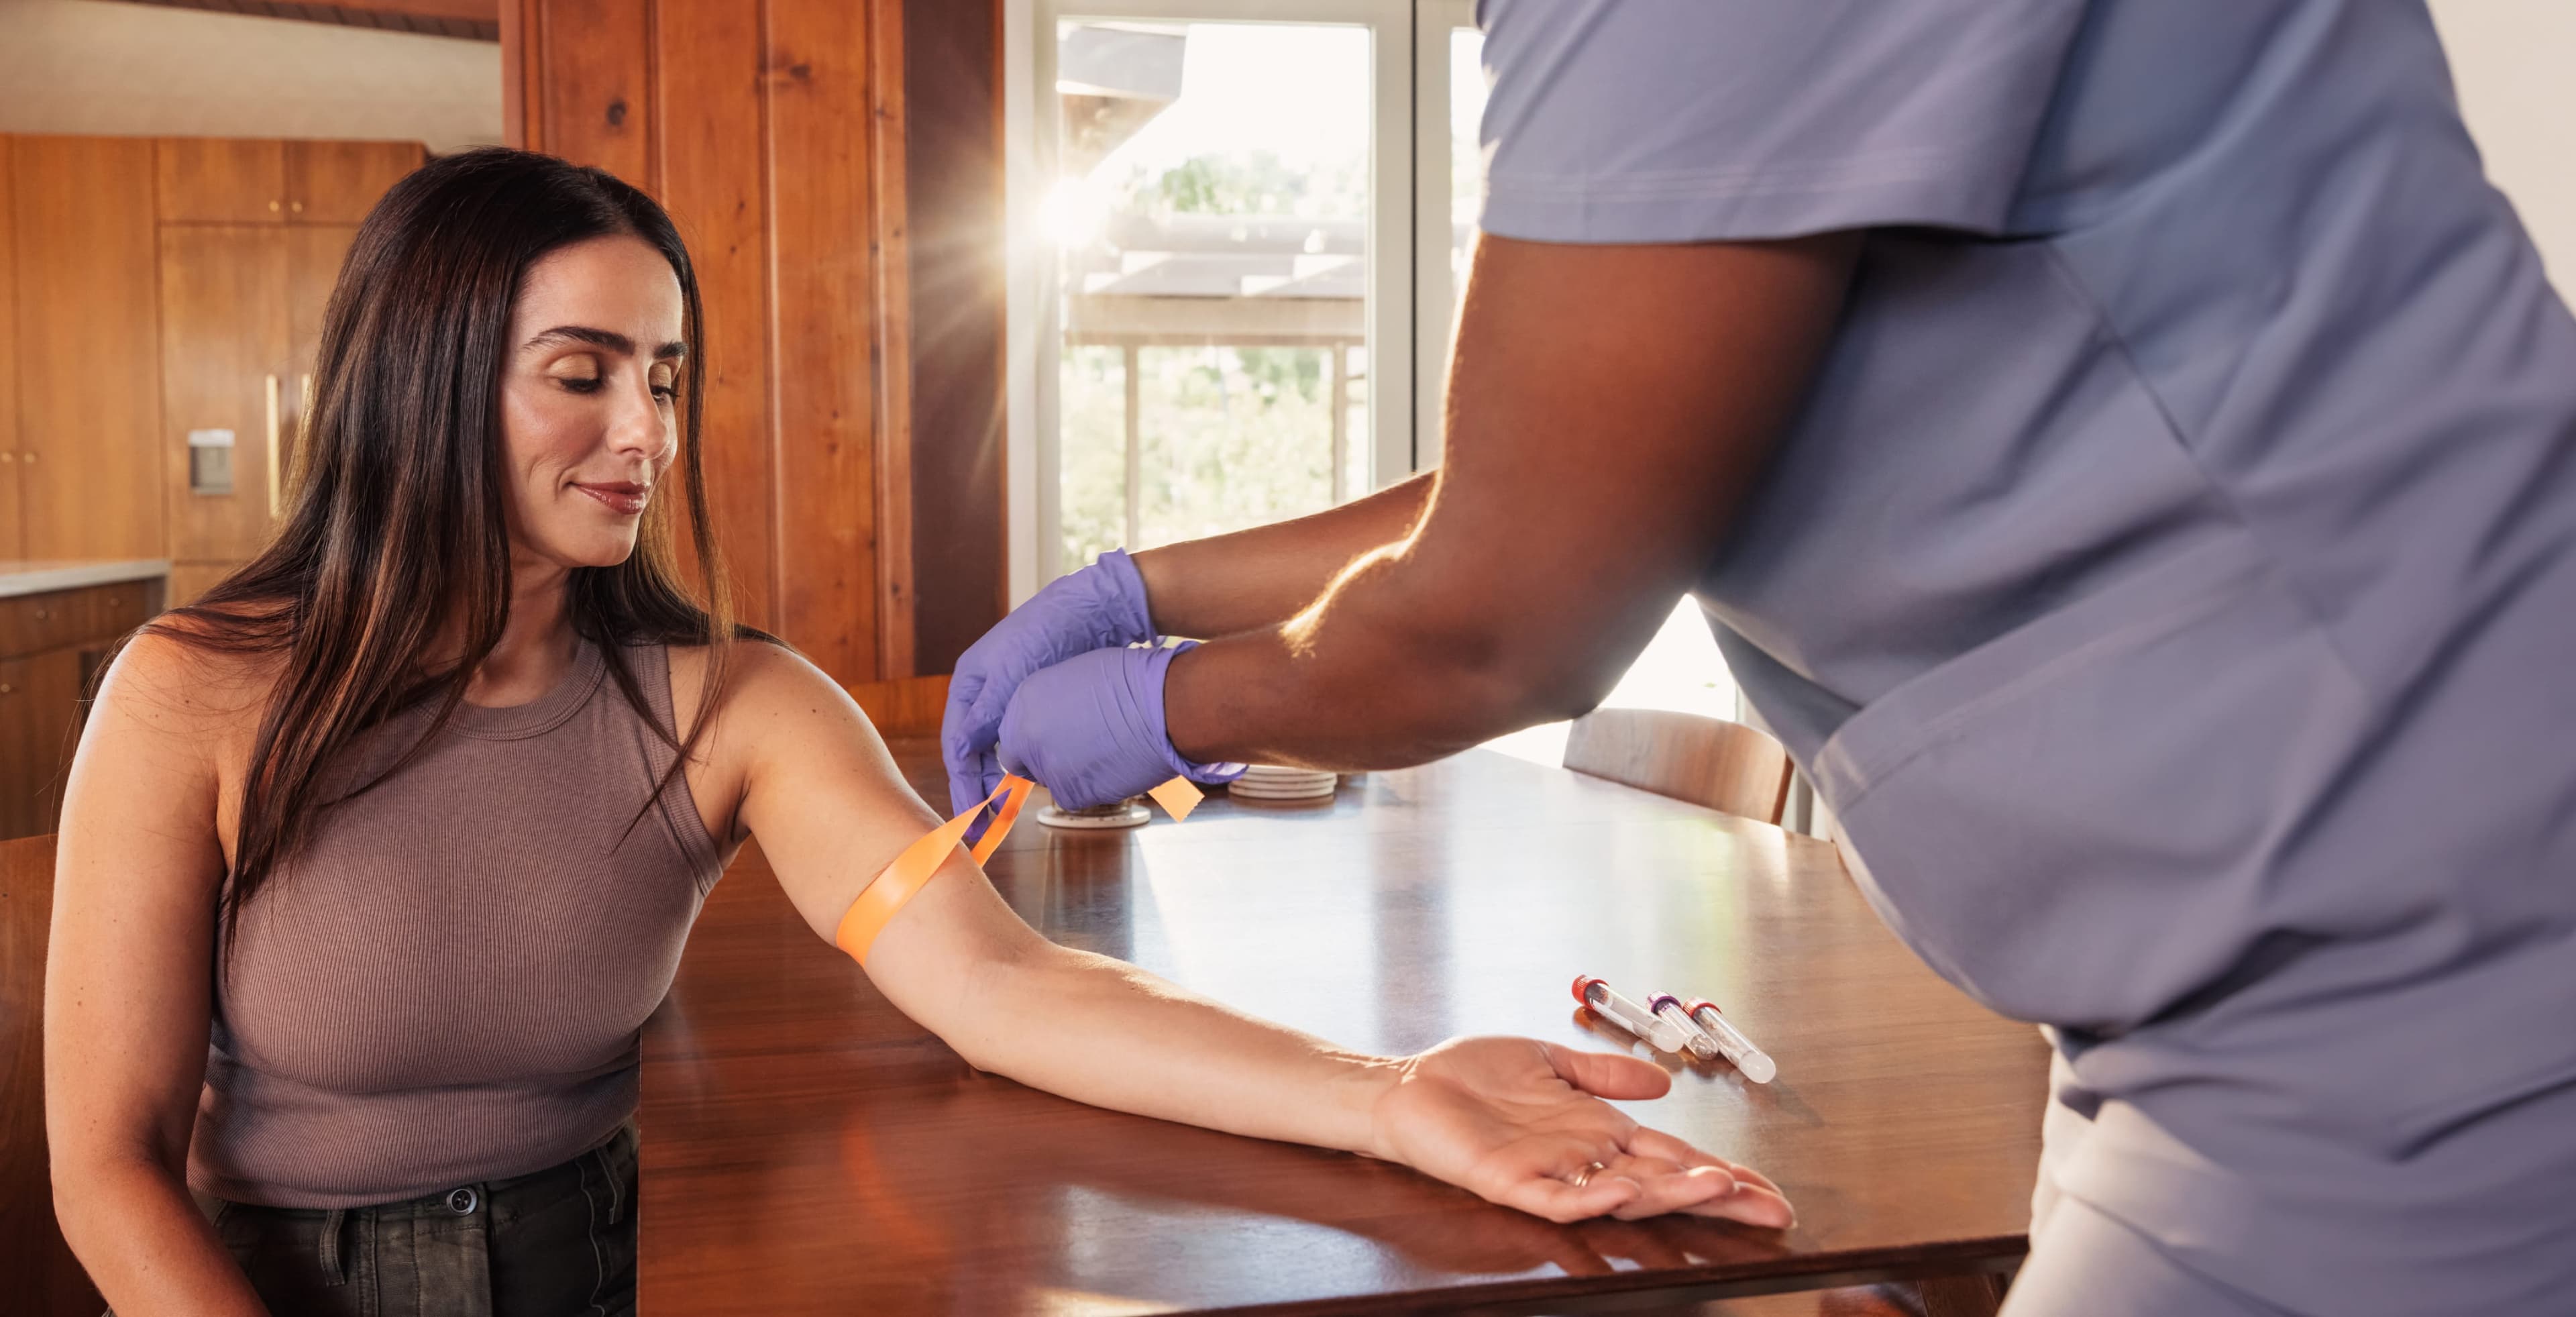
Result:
{"points": [[587, 420]]}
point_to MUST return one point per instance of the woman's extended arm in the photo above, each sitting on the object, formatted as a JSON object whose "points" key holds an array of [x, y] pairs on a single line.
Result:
{"points": [[127, 975], [1503, 1117]]}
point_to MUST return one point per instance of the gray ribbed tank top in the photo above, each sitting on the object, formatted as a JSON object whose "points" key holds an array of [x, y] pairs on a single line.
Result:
{"points": [[449, 985]]}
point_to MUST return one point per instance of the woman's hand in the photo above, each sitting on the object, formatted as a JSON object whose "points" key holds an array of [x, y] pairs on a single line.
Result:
{"points": [[1518, 1121]]}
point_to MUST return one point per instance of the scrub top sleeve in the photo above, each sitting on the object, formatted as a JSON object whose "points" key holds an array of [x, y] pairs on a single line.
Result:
{"points": [[1630, 121]]}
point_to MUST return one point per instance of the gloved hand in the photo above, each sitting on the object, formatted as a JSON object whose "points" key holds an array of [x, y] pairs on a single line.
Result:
{"points": [[1101, 606], [1090, 729]]}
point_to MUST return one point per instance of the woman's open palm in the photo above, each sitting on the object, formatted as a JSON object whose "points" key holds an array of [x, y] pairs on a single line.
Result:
{"points": [[1518, 1122]]}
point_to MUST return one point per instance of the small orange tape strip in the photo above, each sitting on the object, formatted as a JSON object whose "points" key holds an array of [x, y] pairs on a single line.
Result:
{"points": [[900, 881], [1178, 797]]}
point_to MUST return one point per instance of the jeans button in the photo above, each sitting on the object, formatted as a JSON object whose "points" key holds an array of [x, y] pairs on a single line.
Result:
{"points": [[463, 1201]]}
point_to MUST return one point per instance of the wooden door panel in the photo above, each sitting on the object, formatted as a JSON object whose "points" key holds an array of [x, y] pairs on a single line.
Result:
{"points": [[221, 180], [88, 387], [339, 182], [224, 366]]}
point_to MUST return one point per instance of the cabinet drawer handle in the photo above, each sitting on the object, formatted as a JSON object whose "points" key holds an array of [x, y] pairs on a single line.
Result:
{"points": [[44, 615], [6, 688]]}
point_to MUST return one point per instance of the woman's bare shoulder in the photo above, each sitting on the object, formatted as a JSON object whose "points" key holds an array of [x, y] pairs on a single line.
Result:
{"points": [[180, 673], [757, 671]]}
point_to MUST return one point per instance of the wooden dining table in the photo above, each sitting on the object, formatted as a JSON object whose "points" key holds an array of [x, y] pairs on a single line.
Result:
{"points": [[808, 1149]]}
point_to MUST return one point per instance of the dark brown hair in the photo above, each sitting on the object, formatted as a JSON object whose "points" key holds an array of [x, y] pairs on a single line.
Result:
{"points": [[399, 487]]}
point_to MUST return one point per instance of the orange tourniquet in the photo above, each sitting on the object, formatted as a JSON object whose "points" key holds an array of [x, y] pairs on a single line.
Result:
{"points": [[897, 883]]}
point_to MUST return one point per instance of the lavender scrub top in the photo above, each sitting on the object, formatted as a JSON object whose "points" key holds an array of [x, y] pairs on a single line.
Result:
{"points": [[2170, 579]]}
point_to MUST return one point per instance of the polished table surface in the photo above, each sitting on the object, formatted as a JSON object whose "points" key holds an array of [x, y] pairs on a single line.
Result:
{"points": [[807, 1149]]}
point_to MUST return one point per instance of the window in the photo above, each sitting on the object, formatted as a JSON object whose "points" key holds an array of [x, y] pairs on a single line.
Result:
{"points": [[1212, 310], [1241, 229]]}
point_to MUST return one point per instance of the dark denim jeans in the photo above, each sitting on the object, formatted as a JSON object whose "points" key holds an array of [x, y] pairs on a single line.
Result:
{"points": [[554, 1243]]}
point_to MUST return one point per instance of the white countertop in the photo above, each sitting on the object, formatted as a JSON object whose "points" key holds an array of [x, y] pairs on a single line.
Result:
{"points": [[23, 576]]}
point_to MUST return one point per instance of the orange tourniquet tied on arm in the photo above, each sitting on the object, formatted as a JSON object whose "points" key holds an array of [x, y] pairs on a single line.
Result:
{"points": [[899, 881]]}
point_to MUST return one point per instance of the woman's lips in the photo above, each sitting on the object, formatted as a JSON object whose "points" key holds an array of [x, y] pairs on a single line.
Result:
{"points": [[624, 499]]}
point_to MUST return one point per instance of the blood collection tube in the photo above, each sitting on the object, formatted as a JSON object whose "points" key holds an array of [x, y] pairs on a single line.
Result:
{"points": [[1668, 1008], [1662, 1035], [1732, 1043]]}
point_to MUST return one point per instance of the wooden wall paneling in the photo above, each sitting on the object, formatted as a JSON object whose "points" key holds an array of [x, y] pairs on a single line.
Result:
{"points": [[339, 182], [823, 332], [790, 185], [891, 259], [220, 180], [953, 184], [89, 389], [904, 706], [13, 525], [597, 62], [518, 71], [710, 178], [224, 366]]}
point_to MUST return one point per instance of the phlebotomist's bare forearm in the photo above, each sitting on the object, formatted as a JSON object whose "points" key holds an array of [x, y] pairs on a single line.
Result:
{"points": [[1261, 577], [1609, 408]]}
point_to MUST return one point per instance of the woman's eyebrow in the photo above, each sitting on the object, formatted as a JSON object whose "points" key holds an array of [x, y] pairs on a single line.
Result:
{"points": [[614, 342]]}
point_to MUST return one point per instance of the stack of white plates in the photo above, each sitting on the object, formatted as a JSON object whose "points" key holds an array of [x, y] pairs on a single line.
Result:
{"points": [[1271, 782]]}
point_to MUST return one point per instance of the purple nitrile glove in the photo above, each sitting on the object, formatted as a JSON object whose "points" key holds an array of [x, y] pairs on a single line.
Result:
{"points": [[1101, 606], [1090, 729]]}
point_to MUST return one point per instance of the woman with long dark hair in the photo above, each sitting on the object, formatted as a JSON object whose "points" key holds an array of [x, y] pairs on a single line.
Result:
{"points": [[375, 859]]}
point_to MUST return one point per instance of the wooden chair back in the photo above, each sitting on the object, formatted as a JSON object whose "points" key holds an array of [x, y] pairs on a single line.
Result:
{"points": [[905, 706], [42, 1271], [1725, 766]]}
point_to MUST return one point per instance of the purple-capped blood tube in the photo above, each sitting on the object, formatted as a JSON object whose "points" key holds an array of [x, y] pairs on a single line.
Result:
{"points": [[1662, 1035]]}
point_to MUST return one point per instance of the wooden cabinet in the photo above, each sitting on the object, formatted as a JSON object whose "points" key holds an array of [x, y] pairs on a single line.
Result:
{"points": [[219, 180], [148, 288], [13, 516], [86, 312], [227, 381], [241, 326], [313, 256], [252, 235], [50, 644], [339, 182], [39, 712], [191, 579]]}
